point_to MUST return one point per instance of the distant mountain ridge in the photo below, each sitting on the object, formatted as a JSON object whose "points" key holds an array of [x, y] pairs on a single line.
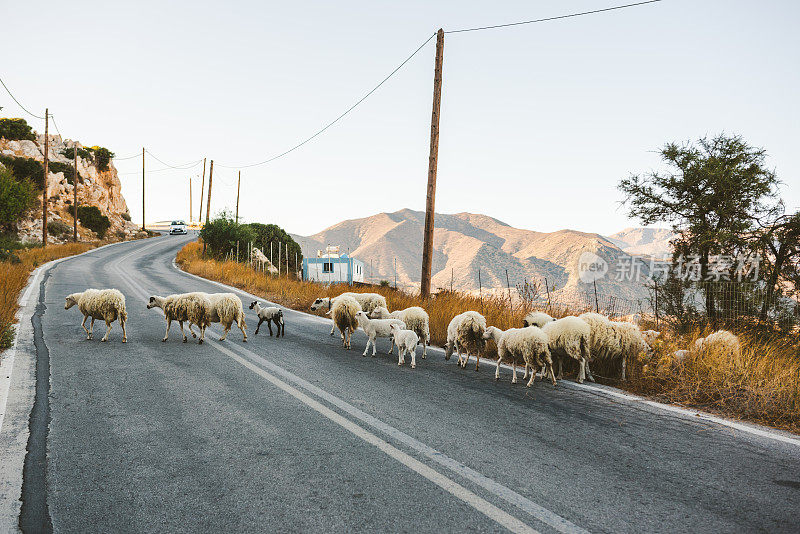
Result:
{"points": [[466, 243], [644, 241]]}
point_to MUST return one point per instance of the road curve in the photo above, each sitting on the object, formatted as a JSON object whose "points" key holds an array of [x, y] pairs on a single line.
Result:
{"points": [[299, 435]]}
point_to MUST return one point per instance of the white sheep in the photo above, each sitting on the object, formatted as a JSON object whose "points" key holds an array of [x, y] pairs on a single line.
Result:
{"points": [[722, 342], [416, 319], [344, 312], [569, 338], [226, 309], [407, 341], [106, 304], [194, 308], [465, 331], [632, 340], [536, 319], [615, 340], [269, 314], [375, 328], [367, 301], [530, 344]]}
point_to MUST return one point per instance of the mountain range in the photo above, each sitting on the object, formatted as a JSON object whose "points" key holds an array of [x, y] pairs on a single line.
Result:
{"points": [[466, 244]]}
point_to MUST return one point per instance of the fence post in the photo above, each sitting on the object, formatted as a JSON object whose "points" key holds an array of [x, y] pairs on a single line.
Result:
{"points": [[547, 288], [480, 289], [508, 286], [596, 304], [655, 307]]}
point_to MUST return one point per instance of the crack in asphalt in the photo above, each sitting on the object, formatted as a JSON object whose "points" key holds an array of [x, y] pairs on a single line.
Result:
{"points": [[34, 513]]}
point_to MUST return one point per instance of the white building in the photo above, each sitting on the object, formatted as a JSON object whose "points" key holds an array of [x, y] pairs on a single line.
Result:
{"points": [[331, 267]]}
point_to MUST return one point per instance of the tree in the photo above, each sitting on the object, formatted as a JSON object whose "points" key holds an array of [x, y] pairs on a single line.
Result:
{"points": [[16, 198], [780, 245], [16, 129], [716, 194], [222, 233]]}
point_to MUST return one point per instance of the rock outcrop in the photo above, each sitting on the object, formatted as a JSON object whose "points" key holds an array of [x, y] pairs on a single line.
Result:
{"points": [[100, 188]]}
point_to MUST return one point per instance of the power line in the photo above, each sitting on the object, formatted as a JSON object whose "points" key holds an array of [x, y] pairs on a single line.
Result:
{"points": [[552, 18], [17, 101], [337, 119], [127, 157], [53, 118], [181, 167]]}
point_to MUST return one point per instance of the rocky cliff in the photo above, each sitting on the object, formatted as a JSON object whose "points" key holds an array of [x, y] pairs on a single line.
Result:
{"points": [[100, 188]]}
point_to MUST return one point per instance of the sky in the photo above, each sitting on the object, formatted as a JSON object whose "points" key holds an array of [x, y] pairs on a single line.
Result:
{"points": [[539, 122]]}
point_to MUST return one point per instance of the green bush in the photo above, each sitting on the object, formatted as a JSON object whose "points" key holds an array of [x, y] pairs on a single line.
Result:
{"points": [[102, 157], [16, 197], [16, 129], [272, 233], [91, 218], [221, 234], [58, 228], [25, 169], [66, 168], [82, 153]]}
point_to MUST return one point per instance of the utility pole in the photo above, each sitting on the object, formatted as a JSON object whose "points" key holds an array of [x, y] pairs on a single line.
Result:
{"points": [[238, 183], [190, 200], [208, 200], [202, 188], [433, 160], [46, 171], [75, 192], [143, 225]]}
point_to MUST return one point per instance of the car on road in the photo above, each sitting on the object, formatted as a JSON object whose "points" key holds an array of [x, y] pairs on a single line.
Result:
{"points": [[177, 227]]}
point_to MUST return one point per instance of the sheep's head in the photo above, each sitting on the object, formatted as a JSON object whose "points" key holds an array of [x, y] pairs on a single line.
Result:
{"points": [[70, 301], [448, 350], [152, 303], [379, 313], [361, 315], [253, 304], [489, 332], [394, 327], [320, 303]]}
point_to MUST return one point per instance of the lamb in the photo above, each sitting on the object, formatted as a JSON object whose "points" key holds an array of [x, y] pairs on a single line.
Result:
{"points": [[375, 328], [367, 301], [569, 337], [465, 331], [407, 341], [416, 319], [536, 319], [194, 308], [722, 341], [106, 304], [269, 314], [530, 344], [344, 312]]}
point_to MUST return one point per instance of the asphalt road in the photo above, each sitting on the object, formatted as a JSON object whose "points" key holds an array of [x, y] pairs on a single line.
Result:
{"points": [[299, 435]]}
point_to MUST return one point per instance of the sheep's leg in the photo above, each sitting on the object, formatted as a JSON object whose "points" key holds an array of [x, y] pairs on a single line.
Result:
{"points": [[260, 320], [530, 382], [424, 348], [91, 329], [374, 345], [414, 358], [124, 333], [333, 326], [589, 373], [108, 330], [166, 334], [581, 370], [366, 348], [514, 365], [525, 376], [191, 331], [560, 369], [227, 328], [283, 327], [401, 355], [83, 324], [183, 334], [202, 335], [497, 371], [391, 347], [242, 324], [269, 326], [477, 360]]}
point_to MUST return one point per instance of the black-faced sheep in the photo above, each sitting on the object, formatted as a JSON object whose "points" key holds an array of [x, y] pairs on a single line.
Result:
{"points": [[106, 304]]}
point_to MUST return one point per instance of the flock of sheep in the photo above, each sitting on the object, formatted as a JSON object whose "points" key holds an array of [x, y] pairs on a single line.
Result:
{"points": [[543, 343]]}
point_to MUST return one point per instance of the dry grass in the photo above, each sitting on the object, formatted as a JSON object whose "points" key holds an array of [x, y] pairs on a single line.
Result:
{"points": [[762, 385], [14, 276]]}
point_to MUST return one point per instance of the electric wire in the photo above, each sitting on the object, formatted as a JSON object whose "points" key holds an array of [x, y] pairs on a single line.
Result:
{"points": [[17, 101]]}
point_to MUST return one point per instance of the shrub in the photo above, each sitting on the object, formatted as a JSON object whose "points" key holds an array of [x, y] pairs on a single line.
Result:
{"points": [[16, 197], [66, 168], [221, 234], [91, 218], [126, 216], [102, 157], [25, 169], [384, 283], [82, 153], [58, 228], [16, 129]]}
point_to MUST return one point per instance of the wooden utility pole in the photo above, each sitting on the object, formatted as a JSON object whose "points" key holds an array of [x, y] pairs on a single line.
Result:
{"points": [[427, 245], [190, 200], [75, 192], [202, 190], [208, 200], [238, 183], [46, 172], [143, 226]]}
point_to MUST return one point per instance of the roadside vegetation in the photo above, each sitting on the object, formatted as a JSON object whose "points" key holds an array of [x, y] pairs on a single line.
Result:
{"points": [[763, 385], [15, 267]]}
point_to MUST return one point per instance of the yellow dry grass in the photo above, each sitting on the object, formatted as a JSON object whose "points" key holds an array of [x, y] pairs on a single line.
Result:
{"points": [[762, 385], [14, 276]]}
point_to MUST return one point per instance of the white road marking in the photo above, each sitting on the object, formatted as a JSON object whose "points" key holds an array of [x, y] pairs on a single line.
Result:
{"points": [[489, 510]]}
